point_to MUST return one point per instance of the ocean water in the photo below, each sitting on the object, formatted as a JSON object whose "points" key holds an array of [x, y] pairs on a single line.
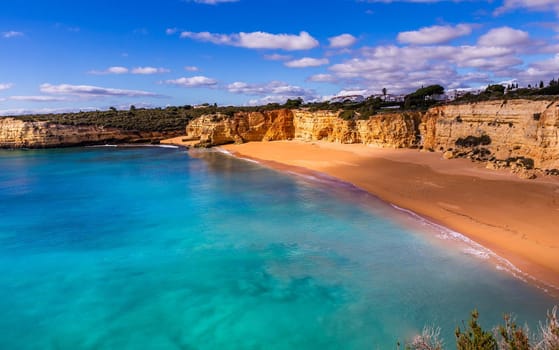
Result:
{"points": [[156, 248]]}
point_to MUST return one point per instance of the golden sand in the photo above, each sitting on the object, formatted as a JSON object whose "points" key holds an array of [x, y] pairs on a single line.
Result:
{"points": [[517, 219]]}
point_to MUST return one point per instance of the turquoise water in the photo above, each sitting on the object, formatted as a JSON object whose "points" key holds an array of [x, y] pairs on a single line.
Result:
{"points": [[153, 248]]}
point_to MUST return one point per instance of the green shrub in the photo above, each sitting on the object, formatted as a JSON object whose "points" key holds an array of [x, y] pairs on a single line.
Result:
{"points": [[474, 337]]}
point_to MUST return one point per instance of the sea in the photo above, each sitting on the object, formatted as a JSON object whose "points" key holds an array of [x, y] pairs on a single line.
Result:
{"points": [[164, 248]]}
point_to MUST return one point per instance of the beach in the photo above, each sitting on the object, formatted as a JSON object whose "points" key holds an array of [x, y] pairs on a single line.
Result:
{"points": [[517, 219]]}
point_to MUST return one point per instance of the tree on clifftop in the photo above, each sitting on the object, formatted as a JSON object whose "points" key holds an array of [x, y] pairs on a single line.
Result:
{"points": [[422, 98]]}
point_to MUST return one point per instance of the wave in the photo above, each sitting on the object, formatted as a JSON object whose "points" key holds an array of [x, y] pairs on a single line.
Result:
{"points": [[101, 146], [477, 250]]}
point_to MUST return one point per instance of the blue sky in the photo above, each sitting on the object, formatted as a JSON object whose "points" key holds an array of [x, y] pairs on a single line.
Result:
{"points": [[83, 55]]}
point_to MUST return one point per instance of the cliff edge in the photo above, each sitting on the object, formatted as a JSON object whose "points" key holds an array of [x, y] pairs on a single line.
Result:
{"points": [[15, 133], [520, 134]]}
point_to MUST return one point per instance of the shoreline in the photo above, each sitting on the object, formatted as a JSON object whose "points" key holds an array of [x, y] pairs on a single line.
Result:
{"points": [[521, 249]]}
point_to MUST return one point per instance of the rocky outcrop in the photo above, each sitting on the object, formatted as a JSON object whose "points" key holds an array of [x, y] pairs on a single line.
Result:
{"points": [[15, 133], [396, 130], [522, 134], [389, 130], [219, 129]]}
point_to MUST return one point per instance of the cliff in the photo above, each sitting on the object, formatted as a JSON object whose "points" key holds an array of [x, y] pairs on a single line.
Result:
{"points": [[397, 130], [219, 129], [521, 134], [389, 130], [15, 133]]}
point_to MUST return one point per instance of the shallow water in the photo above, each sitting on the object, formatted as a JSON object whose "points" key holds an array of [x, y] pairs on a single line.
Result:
{"points": [[143, 248]]}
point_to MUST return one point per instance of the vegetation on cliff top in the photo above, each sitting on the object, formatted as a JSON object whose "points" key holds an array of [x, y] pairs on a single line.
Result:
{"points": [[512, 91], [171, 119], [140, 119]]}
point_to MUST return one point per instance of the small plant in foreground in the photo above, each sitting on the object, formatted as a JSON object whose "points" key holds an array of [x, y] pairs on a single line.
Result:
{"points": [[512, 337], [429, 339], [475, 337], [549, 332]]}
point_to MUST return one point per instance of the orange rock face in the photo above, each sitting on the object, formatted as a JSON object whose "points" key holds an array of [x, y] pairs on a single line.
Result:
{"points": [[521, 134]]}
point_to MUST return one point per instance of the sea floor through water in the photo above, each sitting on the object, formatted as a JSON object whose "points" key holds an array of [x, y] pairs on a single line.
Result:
{"points": [[144, 247]]}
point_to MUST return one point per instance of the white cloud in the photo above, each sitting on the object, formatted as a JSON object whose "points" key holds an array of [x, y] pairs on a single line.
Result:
{"points": [[12, 34], [531, 5], [197, 81], [5, 86], [504, 36], [37, 98], [88, 90], [434, 34], [111, 70], [125, 70], [343, 40], [277, 88], [543, 70], [171, 31], [401, 69], [23, 111], [322, 78], [149, 70], [257, 40], [307, 62], [191, 68], [277, 57]]}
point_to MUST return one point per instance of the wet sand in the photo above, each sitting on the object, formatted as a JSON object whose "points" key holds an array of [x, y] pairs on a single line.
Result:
{"points": [[515, 218]]}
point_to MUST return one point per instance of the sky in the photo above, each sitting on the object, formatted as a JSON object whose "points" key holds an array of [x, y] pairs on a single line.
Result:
{"points": [[70, 55]]}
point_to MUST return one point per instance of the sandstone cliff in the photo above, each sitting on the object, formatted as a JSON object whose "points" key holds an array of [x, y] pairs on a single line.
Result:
{"points": [[389, 130], [15, 133], [219, 129], [396, 130], [497, 131], [522, 134]]}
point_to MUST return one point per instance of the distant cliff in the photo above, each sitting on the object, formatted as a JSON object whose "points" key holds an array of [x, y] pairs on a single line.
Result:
{"points": [[15, 133], [520, 134]]}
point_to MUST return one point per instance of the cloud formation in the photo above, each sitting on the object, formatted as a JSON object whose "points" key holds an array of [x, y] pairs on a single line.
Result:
{"points": [[137, 70], [257, 40], [505, 37], [322, 78], [149, 70], [277, 57], [12, 34], [5, 86], [434, 34], [307, 62], [274, 91], [343, 40], [530, 5], [41, 98], [543, 70], [192, 82], [93, 91]]}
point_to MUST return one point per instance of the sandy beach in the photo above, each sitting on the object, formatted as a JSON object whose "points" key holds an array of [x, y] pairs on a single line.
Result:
{"points": [[517, 219]]}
